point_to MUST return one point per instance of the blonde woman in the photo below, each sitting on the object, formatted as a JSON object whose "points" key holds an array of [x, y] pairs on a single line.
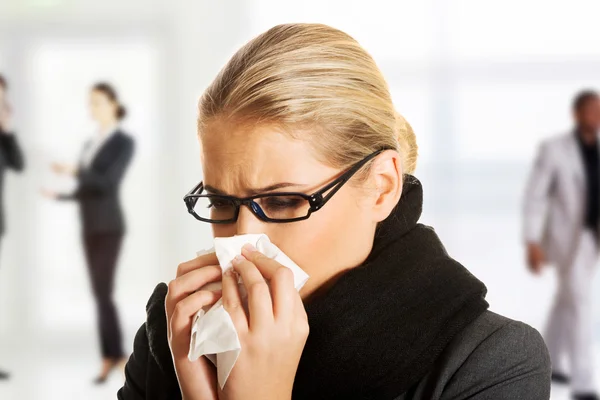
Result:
{"points": [[300, 141]]}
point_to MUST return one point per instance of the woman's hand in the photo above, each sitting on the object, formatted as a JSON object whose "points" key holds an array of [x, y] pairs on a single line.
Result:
{"points": [[64, 169], [273, 332], [198, 379]]}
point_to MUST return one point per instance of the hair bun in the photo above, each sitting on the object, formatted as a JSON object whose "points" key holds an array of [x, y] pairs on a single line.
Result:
{"points": [[121, 112], [408, 144]]}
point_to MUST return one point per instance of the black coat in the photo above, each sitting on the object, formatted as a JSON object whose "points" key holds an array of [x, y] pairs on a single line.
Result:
{"points": [[492, 358], [11, 157], [423, 334], [98, 186]]}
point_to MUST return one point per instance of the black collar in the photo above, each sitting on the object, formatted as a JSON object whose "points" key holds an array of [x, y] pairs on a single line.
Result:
{"points": [[380, 328], [382, 325]]}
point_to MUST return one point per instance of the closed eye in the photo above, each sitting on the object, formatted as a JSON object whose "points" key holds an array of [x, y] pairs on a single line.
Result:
{"points": [[219, 204], [277, 203]]}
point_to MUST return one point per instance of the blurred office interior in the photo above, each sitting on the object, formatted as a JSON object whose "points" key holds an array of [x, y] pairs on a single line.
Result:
{"points": [[481, 83]]}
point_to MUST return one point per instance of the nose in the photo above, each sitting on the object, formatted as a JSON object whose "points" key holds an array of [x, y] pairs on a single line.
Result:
{"points": [[247, 222]]}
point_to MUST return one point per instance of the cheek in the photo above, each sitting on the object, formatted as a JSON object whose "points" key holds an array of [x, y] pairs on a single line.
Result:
{"points": [[224, 230], [326, 242]]}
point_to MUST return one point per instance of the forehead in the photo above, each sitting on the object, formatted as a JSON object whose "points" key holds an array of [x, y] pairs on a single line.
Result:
{"points": [[590, 104], [98, 95], [237, 158]]}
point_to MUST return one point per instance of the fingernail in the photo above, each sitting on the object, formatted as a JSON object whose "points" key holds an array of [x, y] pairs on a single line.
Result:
{"points": [[237, 259], [234, 275], [229, 273], [250, 248]]}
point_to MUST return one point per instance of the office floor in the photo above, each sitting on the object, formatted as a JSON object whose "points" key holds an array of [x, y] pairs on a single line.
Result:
{"points": [[55, 368]]}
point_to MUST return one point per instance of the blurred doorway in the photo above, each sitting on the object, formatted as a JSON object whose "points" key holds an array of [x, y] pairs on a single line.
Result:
{"points": [[61, 72]]}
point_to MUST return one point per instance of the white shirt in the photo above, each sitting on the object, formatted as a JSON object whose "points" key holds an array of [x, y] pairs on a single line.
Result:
{"points": [[94, 146]]}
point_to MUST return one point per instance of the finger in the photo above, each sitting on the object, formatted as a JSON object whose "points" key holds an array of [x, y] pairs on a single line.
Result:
{"points": [[232, 301], [260, 306], [182, 287], [285, 296], [198, 262], [187, 308], [267, 266]]}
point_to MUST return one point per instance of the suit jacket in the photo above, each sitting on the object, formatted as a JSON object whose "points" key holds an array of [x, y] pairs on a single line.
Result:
{"points": [[555, 198], [11, 157], [98, 186], [492, 358]]}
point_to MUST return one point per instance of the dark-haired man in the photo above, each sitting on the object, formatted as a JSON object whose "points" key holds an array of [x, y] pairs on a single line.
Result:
{"points": [[10, 153], [561, 224]]}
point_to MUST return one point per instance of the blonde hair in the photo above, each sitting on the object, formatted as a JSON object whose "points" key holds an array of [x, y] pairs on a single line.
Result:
{"points": [[319, 81]]}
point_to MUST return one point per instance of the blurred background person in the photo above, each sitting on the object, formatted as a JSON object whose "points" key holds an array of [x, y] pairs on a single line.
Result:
{"points": [[562, 210], [102, 165], [11, 156]]}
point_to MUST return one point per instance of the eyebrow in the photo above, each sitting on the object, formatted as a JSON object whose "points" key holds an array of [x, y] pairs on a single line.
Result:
{"points": [[256, 191]]}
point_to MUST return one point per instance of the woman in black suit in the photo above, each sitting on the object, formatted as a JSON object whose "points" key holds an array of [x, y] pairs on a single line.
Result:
{"points": [[103, 163], [11, 156]]}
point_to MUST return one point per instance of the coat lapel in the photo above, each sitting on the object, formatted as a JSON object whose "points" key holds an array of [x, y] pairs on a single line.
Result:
{"points": [[576, 160], [104, 148]]}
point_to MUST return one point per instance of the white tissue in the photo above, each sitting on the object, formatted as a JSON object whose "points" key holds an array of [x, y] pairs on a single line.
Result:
{"points": [[213, 332]]}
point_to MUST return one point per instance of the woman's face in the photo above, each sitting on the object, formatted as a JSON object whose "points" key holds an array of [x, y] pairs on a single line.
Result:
{"points": [[242, 161], [102, 109]]}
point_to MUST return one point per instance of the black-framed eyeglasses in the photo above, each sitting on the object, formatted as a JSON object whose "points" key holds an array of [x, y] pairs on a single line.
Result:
{"points": [[279, 207]]}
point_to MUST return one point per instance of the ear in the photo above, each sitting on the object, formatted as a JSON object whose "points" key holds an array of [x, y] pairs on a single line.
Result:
{"points": [[386, 173]]}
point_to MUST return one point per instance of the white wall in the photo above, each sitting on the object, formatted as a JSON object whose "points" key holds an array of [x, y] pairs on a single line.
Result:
{"points": [[69, 45], [480, 83]]}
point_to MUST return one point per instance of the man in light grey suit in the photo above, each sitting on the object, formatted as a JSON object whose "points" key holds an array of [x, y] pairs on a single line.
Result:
{"points": [[561, 224]]}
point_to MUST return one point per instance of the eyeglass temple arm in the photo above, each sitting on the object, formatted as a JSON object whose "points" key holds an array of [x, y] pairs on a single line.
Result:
{"points": [[194, 190], [319, 200]]}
